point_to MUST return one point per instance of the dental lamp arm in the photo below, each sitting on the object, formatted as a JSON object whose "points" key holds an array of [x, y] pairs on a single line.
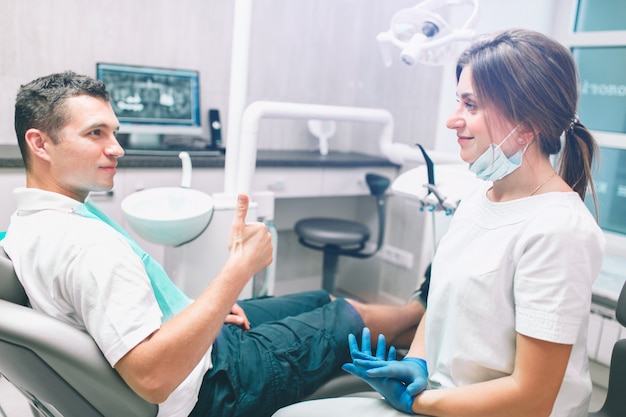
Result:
{"points": [[423, 36]]}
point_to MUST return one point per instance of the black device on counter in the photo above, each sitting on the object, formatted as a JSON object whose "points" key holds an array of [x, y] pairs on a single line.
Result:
{"points": [[215, 128]]}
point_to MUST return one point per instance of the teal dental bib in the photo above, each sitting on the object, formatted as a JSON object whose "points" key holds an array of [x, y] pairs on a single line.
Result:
{"points": [[170, 298]]}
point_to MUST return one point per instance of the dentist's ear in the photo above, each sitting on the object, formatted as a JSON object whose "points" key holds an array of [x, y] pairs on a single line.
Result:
{"points": [[526, 134], [36, 141]]}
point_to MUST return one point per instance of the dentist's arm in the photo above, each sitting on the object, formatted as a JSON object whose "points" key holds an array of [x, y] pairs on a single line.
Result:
{"points": [[417, 349], [157, 365], [530, 391]]}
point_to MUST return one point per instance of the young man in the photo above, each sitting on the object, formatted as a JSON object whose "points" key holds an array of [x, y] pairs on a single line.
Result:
{"points": [[212, 357]]}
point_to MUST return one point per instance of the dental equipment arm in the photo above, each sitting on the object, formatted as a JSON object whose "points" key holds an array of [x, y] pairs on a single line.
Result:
{"points": [[241, 155]]}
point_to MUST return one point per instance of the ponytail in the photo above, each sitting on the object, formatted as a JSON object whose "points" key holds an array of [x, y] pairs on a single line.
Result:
{"points": [[576, 160]]}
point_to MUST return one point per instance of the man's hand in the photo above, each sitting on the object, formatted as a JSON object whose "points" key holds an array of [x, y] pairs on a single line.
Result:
{"points": [[238, 317], [250, 244]]}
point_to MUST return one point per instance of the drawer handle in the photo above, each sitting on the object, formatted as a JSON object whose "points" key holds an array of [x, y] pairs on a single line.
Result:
{"points": [[277, 186]]}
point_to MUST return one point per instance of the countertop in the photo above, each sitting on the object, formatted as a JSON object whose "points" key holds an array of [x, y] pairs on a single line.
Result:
{"points": [[10, 157]]}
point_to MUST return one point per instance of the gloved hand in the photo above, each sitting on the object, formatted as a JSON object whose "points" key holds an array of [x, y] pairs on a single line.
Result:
{"points": [[393, 387], [411, 371], [365, 353]]}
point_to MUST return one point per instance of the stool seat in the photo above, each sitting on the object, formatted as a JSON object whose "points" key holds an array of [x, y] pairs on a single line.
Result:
{"points": [[327, 231], [336, 237]]}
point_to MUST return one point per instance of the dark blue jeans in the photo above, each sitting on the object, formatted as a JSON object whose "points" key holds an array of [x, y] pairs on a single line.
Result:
{"points": [[295, 344]]}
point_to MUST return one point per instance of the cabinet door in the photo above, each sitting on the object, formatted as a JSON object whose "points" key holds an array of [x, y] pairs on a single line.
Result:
{"points": [[288, 182], [350, 181], [209, 180]]}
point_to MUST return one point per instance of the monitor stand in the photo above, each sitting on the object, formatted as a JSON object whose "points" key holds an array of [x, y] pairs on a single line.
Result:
{"points": [[144, 140]]}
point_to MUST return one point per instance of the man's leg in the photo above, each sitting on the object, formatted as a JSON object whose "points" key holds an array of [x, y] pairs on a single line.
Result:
{"points": [[397, 322], [268, 309], [276, 363]]}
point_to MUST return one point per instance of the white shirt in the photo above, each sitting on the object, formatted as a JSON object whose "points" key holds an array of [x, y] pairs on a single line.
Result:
{"points": [[524, 266], [81, 271]]}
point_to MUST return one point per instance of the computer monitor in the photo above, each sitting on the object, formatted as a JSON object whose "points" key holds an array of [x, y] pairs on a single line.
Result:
{"points": [[151, 102], [602, 109]]}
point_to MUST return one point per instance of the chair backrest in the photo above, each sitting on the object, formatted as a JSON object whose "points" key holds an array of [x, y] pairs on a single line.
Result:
{"points": [[10, 288], [615, 402], [55, 365]]}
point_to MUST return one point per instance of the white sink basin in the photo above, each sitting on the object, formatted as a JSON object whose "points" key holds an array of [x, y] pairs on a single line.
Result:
{"points": [[168, 216]]}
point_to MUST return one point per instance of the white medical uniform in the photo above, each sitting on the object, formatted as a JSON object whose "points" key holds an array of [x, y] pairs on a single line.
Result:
{"points": [[80, 271], [523, 266]]}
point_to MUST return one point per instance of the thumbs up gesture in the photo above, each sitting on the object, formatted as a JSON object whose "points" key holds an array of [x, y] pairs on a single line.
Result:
{"points": [[250, 244]]}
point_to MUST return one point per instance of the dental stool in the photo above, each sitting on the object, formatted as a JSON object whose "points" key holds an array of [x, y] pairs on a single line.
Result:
{"points": [[335, 237]]}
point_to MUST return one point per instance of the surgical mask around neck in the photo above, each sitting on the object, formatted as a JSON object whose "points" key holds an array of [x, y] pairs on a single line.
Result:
{"points": [[493, 164]]}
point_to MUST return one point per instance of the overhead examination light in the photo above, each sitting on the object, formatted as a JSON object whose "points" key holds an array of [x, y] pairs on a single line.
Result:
{"points": [[424, 36]]}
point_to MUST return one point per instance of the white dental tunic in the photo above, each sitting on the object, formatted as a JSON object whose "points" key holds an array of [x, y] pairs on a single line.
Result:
{"points": [[524, 266], [81, 271]]}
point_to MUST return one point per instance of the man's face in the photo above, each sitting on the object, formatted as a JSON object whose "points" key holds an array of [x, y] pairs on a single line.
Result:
{"points": [[85, 157]]}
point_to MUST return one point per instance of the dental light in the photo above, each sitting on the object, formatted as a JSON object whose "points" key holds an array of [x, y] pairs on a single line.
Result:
{"points": [[424, 36]]}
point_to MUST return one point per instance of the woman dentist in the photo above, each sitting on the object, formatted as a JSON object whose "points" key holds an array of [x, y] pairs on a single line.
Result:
{"points": [[506, 324]]}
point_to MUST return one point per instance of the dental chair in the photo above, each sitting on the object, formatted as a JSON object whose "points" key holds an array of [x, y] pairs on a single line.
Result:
{"points": [[59, 369], [615, 402], [335, 237]]}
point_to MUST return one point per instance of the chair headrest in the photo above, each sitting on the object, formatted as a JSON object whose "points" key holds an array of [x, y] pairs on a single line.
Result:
{"points": [[10, 287]]}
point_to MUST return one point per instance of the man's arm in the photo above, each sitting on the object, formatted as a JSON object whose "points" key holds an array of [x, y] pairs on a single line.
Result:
{"points": [[157, 365]]}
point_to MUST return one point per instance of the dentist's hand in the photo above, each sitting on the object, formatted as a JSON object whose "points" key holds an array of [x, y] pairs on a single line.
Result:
{"points": [[250, 244], [412, 372], [394, 388]]}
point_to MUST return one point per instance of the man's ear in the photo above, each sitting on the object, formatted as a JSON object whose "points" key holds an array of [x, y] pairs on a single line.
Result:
{"points": [[37, 143]]}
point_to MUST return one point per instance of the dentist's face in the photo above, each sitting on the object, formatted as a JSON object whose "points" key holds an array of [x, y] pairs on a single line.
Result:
{"points": [[85, 158], [475, 131]]}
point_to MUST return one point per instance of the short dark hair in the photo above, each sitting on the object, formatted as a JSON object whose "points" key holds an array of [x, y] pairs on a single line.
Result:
{"points": [[40, 104]]}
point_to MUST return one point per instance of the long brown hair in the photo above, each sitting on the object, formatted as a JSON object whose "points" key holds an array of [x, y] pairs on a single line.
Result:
{"points": [[533, 81]]}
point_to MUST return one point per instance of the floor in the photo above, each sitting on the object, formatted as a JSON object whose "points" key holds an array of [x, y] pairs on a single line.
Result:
{"points": [[13, 404]]}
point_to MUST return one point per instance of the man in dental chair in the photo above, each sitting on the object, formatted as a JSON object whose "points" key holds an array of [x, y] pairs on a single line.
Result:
{"points": [[209, 356]]}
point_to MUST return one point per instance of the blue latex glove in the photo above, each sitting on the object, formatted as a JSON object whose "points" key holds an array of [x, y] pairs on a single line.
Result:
{"points": [[411, 371], [365, 353], [393, 389]]}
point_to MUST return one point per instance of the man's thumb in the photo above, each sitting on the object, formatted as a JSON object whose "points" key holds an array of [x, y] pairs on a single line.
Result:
{"points": [[242, 209]]}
